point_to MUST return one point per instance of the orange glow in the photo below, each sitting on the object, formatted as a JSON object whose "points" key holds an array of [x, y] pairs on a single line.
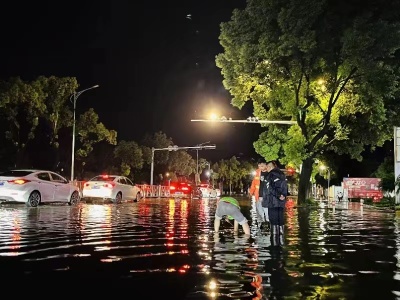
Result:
{"points": [[144, 208], [18, 181], [97, 218], [171, 211], [16, 235]]}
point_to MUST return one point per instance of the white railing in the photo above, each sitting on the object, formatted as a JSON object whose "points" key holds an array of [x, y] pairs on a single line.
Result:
{"points": [[150, 191]]}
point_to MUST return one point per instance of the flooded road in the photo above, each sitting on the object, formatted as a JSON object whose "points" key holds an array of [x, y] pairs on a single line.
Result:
{"points": [[166, 248]]}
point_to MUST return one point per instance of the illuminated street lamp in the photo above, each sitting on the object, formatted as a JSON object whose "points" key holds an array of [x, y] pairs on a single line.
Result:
{"points": [[323, 167], [73, 99]]}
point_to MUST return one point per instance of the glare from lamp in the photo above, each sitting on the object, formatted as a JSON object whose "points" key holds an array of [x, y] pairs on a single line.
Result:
{"points": [[213, 116]]}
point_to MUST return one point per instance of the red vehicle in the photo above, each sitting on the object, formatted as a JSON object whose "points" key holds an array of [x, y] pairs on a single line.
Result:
{"points": [[363, 188], [181, 188]]}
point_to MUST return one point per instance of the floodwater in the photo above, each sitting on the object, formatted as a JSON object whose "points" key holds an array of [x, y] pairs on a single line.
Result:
{"points": [[165, 249]]}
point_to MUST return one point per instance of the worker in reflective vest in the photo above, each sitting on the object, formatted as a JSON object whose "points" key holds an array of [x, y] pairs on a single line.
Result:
{"points": [[256, 190]]}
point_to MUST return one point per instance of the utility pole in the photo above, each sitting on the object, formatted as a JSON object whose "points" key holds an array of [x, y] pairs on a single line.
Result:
{"points": [[174, 148], [197, 179], [73, 99]]}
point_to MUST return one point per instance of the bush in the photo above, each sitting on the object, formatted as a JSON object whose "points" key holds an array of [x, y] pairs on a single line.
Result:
{"points": [[385, 202], [311, 202]]}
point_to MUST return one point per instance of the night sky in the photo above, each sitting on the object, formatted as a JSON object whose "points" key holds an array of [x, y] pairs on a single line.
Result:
{"points": [[154, 62]]}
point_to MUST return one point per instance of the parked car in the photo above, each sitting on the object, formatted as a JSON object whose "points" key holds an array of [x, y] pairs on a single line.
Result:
{"points": [[34, 187], [112, 187], [208, 191]]}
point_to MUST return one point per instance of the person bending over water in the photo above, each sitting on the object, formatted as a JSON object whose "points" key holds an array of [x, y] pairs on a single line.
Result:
{"points": [[229, 207]]}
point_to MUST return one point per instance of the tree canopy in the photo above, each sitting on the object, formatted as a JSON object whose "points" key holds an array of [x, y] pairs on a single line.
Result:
{"points": [[331, 66]]}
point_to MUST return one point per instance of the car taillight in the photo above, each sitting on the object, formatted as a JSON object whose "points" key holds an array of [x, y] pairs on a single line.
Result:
{"points": [[109, 185], [185, 188], [18, 181], [172, 187]]}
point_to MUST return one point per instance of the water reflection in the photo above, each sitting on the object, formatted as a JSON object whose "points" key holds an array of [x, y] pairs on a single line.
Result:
{"points": [[10, 237], [348, 252]]}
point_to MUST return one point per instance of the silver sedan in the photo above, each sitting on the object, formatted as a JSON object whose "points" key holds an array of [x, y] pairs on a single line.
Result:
{"points": [[34, 187]]}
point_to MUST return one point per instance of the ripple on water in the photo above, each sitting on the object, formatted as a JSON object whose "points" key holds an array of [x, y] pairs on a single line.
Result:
{"points": [[169, 243]]}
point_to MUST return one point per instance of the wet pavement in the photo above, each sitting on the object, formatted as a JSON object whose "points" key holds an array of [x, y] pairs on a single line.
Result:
{"points": [[165, 248]]}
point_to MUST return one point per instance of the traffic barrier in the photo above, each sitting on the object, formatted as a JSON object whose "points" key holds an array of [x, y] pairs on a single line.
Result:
{"points": [[149, 191], [155, 191]]}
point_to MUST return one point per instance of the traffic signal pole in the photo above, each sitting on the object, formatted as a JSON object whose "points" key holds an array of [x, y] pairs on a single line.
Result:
{"points": [[173, 148]]}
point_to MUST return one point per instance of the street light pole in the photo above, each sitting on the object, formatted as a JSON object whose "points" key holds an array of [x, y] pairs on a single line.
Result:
{"points": [[209, 174], [73, 99], [329, 176], [152, 165], [197, 160]]}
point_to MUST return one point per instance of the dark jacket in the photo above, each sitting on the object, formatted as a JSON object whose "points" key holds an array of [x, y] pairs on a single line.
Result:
{"points": [[275, 186]]}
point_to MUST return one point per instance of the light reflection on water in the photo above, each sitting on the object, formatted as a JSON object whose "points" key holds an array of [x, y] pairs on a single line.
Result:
{"points": [[340, 253]]}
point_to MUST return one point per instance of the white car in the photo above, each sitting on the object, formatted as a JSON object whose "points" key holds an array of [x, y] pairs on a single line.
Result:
{"points": [[112, 187], [34, 187], [208, 191]]}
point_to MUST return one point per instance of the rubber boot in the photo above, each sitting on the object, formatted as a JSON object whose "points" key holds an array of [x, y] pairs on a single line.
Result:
{"points": [[275, 229]]}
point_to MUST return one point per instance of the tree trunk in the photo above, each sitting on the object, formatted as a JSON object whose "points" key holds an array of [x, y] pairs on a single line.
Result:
{"points": [[304, 182]]}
